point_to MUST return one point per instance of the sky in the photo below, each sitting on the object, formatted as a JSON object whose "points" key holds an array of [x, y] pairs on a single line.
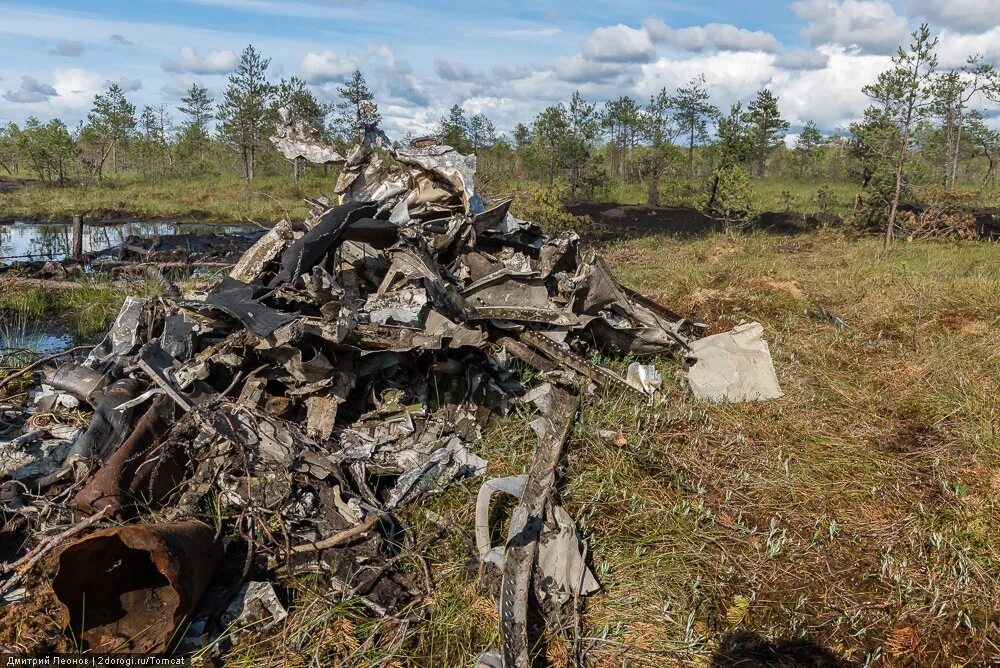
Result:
{"points": [[508, 60]]}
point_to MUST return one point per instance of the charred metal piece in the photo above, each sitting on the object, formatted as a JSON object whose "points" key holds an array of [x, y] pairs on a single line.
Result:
{"points": [[522, 548], [561, 353]]}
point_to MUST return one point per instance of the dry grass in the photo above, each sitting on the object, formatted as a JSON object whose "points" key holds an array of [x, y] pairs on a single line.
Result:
{"points": [[855, 519]]}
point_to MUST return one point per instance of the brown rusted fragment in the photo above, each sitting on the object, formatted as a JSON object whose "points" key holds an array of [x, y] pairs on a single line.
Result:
{"points": [[127, 589], [139, 471]]}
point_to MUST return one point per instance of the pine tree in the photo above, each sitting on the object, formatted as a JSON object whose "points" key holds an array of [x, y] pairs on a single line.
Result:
{"points": [[244, 115], [952, 92], [482, 132], [766, 127], [735, 143], [357, 107], [692, 112], [550, 130], [902, 97], [660, 131], [807, 145], [455, 129], [196, 105], [112, 119], [584, 126], [622, 119]]}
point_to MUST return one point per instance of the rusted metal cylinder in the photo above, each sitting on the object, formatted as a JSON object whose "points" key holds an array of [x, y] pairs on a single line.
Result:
{"points": [[127, 589]]}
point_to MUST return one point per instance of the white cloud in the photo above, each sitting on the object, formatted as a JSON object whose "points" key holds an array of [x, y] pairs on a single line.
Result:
{"points": [[76, 87], [30, 91], [525, 33], [802, 59], [619, 44], [127, 84], [189, 62], [711, 37], [967, 16], [452, 71], [954, 49], [120, 40], [407, 90], [580, 70], [326, 67], [731, 76], [177, 85], [870, 25], [386, 60], [830, 96], [70, 48]]}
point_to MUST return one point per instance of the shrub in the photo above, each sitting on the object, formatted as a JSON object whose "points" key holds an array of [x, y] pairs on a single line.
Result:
{"points": [[735, 198], [544, 207]]}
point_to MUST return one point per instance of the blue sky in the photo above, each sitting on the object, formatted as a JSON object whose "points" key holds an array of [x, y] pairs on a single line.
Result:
{"points": [[508, 60]]}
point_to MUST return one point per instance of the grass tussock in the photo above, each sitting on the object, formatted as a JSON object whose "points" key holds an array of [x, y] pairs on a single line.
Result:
{"points": [[855, 518]]}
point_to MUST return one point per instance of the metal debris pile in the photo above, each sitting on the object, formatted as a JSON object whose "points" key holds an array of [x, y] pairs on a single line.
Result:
{"points": [[344, 369]]}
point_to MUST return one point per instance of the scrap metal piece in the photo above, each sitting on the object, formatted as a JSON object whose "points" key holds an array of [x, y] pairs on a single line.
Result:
{"points": [[267, 249], [733, 366], [242, 302], [108, 426], [561, 354], [297, 139], [563, 573], [124, 335], [820, 313], [522, 548], [321, 414], [644, 377], [79, 380], [306, 252], [256, 607], [447, 164], [128, 588], [137, 472], [406, 307], [443, 465], [30, 455]]}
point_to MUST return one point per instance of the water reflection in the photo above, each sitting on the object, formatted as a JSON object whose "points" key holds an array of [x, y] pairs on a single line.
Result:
{"points": [[43, 343], [44, 241], [42, 338]]}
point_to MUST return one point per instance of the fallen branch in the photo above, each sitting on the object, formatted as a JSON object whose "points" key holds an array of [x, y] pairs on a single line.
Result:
{"points": [[53, 284], [340, 538], [29, 560], [39, 362]]}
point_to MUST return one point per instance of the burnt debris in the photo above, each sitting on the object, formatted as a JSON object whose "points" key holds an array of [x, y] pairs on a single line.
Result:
{"points": [[346, 367]]}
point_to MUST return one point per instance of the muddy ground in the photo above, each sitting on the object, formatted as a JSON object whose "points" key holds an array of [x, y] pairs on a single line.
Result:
{"points": [[616, 221]]}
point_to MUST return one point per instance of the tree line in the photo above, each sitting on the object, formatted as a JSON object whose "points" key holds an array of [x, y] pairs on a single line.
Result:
{"points": [[116, 137], [924, 125]]}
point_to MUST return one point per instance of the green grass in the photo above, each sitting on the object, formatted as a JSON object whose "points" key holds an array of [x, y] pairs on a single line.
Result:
{"points": [[770, 194], [88, 308], [266, 200]]}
